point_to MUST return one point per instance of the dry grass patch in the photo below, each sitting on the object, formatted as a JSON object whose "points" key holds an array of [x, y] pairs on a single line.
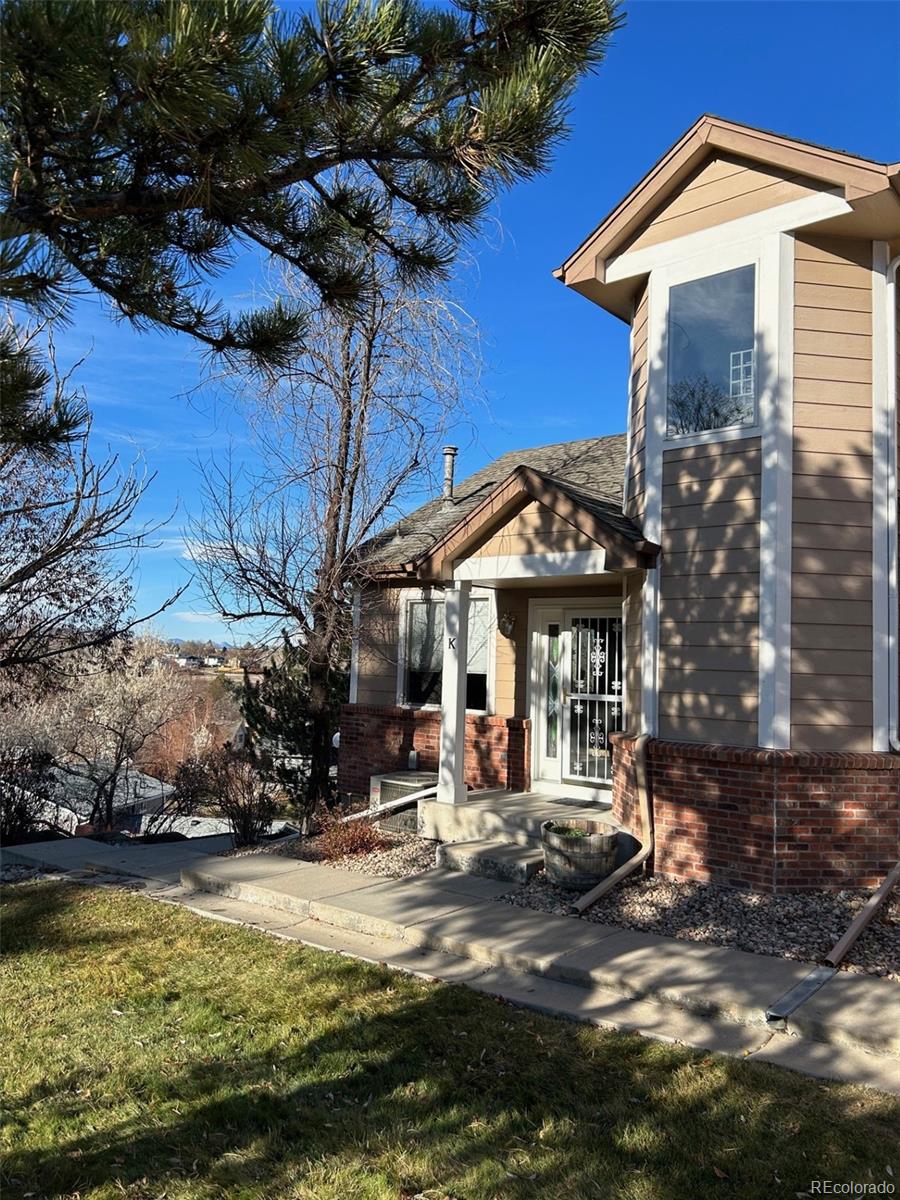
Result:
{"points": [[150, 1053]]}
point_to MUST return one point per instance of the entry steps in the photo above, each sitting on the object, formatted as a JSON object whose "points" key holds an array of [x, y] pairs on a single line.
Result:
{"points": [[497, 834], [505, 861]]}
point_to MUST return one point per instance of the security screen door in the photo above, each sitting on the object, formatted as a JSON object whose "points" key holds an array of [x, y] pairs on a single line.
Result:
{"points": [[592, 707], [583, 695]]}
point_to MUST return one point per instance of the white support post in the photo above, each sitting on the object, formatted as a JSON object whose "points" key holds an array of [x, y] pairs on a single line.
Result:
{"points": [[451, 772]]}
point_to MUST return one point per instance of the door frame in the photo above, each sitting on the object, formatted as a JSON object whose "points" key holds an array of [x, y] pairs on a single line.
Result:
{"points": [[541, 611]]}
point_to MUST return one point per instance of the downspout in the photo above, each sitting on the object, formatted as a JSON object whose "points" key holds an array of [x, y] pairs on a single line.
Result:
{"points": [[640, 774], [891, 499], [785, 1006]]}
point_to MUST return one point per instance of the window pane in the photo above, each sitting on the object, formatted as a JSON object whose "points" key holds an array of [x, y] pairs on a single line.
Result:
{"points": [[712, 356], [423, 687], [426, 635], [479, 629], [476, 692]]}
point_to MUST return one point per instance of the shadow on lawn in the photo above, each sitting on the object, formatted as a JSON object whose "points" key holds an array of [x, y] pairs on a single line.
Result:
{"points": [[443, 1090]]}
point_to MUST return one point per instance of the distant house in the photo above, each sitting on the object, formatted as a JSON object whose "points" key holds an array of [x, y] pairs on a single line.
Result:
{"points": [[189, 662], [214, 660], [137, 796]]}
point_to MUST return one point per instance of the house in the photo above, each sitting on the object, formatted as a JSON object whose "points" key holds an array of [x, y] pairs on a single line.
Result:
{"points": [[721, 577], [214, 660], [189, 662]]}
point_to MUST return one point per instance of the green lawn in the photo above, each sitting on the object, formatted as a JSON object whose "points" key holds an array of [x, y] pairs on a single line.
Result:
{"points": [[150, 1053]]}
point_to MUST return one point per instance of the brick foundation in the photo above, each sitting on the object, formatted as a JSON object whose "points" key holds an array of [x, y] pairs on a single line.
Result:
{"points": [[768, 820], [376, 740]]}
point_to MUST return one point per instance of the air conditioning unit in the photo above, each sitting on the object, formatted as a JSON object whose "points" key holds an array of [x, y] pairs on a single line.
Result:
{"points": [[393, 786]]}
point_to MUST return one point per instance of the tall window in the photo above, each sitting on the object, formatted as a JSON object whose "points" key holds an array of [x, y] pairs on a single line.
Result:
{"points": [[712, 354], [425, 652]]}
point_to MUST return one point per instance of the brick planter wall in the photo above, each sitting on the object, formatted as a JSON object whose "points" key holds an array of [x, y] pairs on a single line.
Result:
{"points": [[768, 820], [376, 740]]}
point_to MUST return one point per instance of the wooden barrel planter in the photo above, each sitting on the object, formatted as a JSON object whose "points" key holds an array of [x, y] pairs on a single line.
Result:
{"points": [[578, 853]]}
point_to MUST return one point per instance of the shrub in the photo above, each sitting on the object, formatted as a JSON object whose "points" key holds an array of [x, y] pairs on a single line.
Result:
{"points": [[354, 837], [26, 793], [230, 781]]}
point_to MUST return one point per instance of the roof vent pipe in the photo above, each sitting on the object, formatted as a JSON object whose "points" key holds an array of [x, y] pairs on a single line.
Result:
{"points": [[450, 453]]}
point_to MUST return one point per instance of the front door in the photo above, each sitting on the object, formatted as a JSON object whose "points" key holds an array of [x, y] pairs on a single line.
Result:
{"points": [[578, 701]]}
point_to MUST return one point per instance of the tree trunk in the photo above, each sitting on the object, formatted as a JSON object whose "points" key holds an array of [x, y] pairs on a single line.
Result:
{"points": [[319, 787]]}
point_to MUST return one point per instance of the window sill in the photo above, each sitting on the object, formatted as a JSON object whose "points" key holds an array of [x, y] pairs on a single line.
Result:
{"points": [[470, 712], [731, 433]]}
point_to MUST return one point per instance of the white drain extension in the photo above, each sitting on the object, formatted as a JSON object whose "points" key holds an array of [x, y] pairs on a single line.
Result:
{"points": [[605, 885]]}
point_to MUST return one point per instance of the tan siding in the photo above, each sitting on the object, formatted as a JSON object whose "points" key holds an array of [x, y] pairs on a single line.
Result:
{"points": [[831, 632], [535, 530], [635, 479], [634, 616], [378, 635], [709, 593], [510, 683], [722, 190]]}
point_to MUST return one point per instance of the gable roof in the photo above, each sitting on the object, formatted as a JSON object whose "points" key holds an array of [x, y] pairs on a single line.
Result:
{"points": [[590, 472], [855, 177]]}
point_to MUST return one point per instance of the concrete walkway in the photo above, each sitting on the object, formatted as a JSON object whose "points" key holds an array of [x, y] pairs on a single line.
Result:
{"points": [[456, 914], [446, 926], [162, 861]]}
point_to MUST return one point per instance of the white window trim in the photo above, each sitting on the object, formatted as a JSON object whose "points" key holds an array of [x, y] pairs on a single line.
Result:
{"points": [[744, 254], [772, 254], [354, 645], [434, 593]]}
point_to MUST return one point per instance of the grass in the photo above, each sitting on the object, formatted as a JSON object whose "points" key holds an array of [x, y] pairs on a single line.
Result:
{"points": [[149, 1053]]}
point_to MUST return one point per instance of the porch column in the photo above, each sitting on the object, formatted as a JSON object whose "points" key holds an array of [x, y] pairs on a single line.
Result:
{"points": [[451, 771]]}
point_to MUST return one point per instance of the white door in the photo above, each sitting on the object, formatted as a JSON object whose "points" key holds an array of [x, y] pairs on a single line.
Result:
{"points": [[578, 684]]}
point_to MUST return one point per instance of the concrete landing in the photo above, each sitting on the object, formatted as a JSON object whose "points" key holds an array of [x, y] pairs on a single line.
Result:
{"points": [[502, 816], [453, 914], [492, 860]]}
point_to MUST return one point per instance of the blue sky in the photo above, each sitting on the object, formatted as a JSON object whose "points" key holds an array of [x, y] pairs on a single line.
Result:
{"points": [[555, 365]]}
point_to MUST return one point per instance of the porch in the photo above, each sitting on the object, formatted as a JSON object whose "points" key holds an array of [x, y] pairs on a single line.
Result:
{"points": [[503, 815], [565, 662]]}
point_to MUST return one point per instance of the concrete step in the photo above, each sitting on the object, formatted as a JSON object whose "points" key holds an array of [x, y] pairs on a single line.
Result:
{"points": [[492, 859]]}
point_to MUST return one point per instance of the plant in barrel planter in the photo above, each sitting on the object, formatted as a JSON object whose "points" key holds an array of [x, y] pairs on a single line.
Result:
{"points": [[578, 853]]}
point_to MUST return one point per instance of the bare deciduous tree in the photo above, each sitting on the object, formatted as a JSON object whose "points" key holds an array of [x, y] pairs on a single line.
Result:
{"points": [[101, 721], [345, 437], [68, 536]]}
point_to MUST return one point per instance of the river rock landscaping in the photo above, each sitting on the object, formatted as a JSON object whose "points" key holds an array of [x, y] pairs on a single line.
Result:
{"points": [[800, 926], [402, 854]]}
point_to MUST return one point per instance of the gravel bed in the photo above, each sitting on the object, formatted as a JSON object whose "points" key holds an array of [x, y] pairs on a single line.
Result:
{"points": [[19, 873], [803, 926], [405, 854]]}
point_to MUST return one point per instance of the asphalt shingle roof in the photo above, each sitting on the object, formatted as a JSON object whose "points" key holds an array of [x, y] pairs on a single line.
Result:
{"points": [[591, 471]]}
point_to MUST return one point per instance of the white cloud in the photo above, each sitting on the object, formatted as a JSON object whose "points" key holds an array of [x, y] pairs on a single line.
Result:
{"points": [[199, 618]]}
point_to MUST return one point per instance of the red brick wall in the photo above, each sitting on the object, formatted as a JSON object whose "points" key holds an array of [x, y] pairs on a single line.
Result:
{"points": [[770, 820], [376, 740]]}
